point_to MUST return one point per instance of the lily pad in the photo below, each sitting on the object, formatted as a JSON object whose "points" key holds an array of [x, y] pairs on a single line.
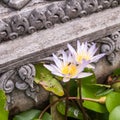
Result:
{"points": [[112, 101], [114, 114], [47, 80]]}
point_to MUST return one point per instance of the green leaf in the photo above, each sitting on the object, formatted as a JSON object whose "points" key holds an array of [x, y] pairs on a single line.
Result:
{"points": [[3, 111], [73, 111], [116, 86], [116, 72], [112, 100], [32, 115], [104, 92], [97, 116], [47, 80], [115, 114], [89, 90]]}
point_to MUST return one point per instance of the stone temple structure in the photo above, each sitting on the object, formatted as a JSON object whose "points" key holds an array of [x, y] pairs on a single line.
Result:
{"points": [[31, 30]]}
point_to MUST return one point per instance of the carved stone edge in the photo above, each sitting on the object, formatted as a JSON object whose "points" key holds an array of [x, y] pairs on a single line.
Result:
{"points": [[44, 17]]}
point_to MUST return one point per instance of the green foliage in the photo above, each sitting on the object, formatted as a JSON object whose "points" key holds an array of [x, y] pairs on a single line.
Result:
{"points": [[73, 111], [116, 86], [32, 115], [89, 90], [112, 100], [115, 114], [116, 72], [3, 112], [47, 80]]}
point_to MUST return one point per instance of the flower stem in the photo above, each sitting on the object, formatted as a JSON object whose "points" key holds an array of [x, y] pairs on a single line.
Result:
{"points": [[85, 117], [69, 98]]}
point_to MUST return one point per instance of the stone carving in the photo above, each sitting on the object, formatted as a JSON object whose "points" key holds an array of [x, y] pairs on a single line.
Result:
{"points": [[107, 3], [111, 46], [16, 4], [47, 16], [89, 6], [73, 8], [5, 30], [19, 24], [20, 79], [6, 83], [27, 74], [55, 13], [38, 20]]}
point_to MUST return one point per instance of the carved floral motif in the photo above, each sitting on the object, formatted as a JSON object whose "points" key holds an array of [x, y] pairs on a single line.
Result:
{"points": [[21, 79], [111, 46], [47, 16]]}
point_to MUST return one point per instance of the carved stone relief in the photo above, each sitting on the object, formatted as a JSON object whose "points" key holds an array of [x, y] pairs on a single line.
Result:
{"points": [[45, 17], [111, 46], [21, 80]]}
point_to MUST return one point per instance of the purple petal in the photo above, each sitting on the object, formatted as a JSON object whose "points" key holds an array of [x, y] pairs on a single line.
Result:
{"points": [[71, 49], [49, 67], [57, 73], [84, 74], [97, 57], [90, 66], [92, 50], [65, 59], [57, 61], [83, 65], [66, 79]]}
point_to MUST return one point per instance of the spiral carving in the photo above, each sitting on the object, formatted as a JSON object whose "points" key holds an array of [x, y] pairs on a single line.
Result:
{"points": [[55, 13], [37, 19], [116, 38], [108, 46], [5, 31], [73, 9], [21, 85], [19, 24], [8, 86], [21, 80], [6, 83], [111, 46], [41, 18], [27, 73], [89, 6]]}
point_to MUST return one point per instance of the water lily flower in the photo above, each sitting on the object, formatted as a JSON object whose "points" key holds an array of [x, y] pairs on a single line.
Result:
{"points": [[66, 67], [85, 52]]}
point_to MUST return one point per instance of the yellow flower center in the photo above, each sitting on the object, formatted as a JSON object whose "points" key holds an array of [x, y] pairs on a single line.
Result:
{"points": [[82, 56], [69, 69]]}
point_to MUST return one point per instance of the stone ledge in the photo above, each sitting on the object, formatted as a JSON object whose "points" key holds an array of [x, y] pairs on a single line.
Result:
{"points": [[38, 15], [41, 44]]}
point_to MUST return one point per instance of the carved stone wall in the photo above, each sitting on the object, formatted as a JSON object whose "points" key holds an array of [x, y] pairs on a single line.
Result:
{"points": [[22, 93], [44, 16]]}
